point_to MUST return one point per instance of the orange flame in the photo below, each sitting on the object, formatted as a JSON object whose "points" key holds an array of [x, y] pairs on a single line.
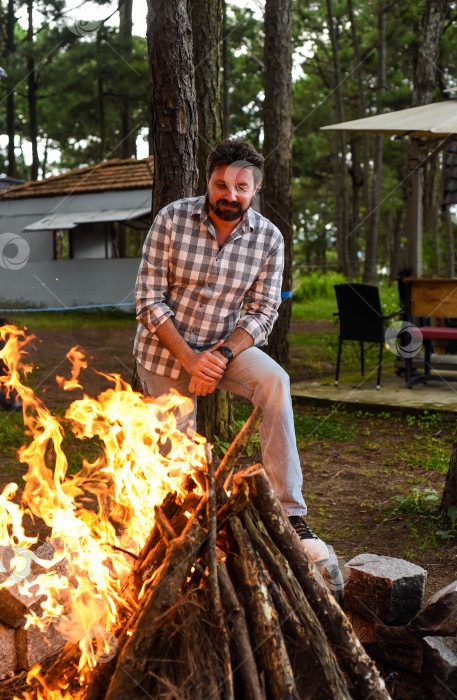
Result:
{"points": [[98, 515]]}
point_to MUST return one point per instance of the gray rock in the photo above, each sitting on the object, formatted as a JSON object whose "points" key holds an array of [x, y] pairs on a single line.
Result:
{"points": [[439, 671], [34, 644], [390, 590], [439, 615], [7, 652]]}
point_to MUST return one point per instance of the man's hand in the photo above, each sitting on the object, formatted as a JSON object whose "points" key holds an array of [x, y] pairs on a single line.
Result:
{"points": [[200, 387], [206, 366]]}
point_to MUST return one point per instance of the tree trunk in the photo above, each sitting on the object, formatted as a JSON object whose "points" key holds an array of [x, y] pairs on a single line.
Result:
{"points": [[174, 112], [226, 79], [32, 94], [125, 148], [277, 201], [425, 79], [369, 272], [449, 235], [432, 174], [361, 177], [339, 154], [207, 44], [214, 415], [428, 50], [449, 497], [10, 109], [101, 99]]}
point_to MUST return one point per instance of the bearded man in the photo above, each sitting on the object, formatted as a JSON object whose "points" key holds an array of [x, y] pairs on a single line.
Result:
{"points": [[204, 259]]}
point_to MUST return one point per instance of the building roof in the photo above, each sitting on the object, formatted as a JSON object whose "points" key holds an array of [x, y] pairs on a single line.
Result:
{"points": [[117, 174], [434, 120], [7, 182]]}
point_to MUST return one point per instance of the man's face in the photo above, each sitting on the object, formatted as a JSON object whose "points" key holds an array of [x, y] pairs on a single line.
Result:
{"points": [[231, 191]]}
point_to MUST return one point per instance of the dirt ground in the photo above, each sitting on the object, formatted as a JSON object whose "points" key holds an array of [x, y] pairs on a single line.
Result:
{"points": [[349, 485]]}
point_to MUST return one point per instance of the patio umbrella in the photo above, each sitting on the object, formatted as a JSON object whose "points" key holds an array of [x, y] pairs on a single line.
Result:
{"points": [[433, 121]]}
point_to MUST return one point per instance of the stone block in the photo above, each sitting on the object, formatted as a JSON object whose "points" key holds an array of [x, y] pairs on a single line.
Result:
{"points": [[34, 644], [390, 590], [363, 627], [439, 671], [396, 647], [439, 614], [47, 551], [7, 652]]}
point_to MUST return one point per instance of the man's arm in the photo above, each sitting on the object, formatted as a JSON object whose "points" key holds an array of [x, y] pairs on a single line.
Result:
{"points": [[202, 365]]}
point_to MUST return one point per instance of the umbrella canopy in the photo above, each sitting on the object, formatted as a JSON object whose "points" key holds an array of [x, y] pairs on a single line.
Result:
{"points": [[438, 120]]}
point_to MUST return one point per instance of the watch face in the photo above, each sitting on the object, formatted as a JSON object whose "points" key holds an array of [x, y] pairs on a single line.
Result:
{"points": [[226, 351]]}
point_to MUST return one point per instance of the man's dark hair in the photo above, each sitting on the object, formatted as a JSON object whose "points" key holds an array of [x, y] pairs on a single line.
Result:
{"points": [[235, 151]]}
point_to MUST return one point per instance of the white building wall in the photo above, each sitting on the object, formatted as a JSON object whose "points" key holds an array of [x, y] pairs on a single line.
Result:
{"points": [[60, 283], [16, 214]]}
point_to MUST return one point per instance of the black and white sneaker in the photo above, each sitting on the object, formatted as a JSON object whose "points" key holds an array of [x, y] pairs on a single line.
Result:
{"points": [[313, 545]]}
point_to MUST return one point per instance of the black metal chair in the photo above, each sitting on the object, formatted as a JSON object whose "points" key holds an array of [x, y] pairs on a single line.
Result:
{"points": [[361, 318]]}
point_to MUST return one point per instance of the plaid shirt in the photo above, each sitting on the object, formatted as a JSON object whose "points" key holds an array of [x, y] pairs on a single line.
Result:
{"points": [[184, 275]]}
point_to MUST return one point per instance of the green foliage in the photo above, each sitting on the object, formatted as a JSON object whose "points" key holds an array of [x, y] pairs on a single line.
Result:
{"points": [[11, 431], [417, 502]]}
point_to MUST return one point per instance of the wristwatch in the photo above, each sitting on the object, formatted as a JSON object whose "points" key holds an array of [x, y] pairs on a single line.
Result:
{"points": [[225, 350]]}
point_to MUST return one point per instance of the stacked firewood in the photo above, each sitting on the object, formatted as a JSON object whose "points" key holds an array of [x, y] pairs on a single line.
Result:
{"points": [[223, 602]]}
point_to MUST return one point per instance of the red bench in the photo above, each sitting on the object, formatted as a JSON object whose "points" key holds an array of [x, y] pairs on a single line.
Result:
{"points": [[429, 301]]}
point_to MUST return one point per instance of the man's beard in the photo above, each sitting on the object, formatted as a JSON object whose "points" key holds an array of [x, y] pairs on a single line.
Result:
{"points": [[234, 212]]}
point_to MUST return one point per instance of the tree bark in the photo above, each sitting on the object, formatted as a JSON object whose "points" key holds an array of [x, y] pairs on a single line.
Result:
{"points": [[320, 654], [32, 94], [346, 646], [10, 107], [241, 645], [125, 146], [425, 78], [214, 415], [449, 497], [426, 63], [133, 658], [449, 237], [207, 48], [277, 200], [174, 112], [360, 176], [263, 616], [339, 154], [369, 272]]}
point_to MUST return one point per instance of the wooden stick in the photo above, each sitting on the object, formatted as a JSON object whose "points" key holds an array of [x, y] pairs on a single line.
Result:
{"points": [[65, 667], [134, 641], [263, 616], [347, 648], [213, 578], [241, 646], [238, 446], [310, 628]]}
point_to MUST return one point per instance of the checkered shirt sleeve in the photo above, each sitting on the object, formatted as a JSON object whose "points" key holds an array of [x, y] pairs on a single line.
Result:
{"points": [[185, 276]]}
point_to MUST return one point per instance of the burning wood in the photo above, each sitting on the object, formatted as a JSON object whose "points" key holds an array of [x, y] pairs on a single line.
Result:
{"points": [[220, 601]]}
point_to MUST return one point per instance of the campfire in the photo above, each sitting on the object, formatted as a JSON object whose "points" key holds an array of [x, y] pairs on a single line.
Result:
{"points": [[165, 576]]}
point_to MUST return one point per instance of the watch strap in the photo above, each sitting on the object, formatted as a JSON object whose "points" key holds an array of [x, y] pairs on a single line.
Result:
{"points": [[225, 350]]}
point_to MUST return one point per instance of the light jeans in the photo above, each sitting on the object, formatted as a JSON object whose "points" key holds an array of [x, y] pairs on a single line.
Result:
{"points": [[255, 376]]}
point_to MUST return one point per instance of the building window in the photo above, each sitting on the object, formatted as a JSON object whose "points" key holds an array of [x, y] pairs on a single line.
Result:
{"points": [[62, 245]]}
